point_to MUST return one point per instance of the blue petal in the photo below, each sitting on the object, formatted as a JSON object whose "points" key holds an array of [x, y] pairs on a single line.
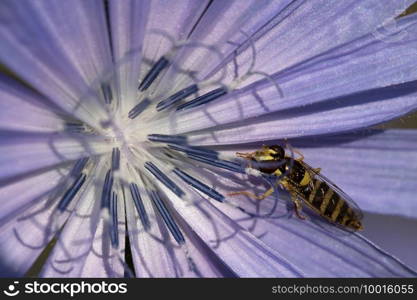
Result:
{"points": [[83, 245], [337, 91], [308, 28], [225, 25], [226, 238], [392, 233], [26, 222], [127, 23], [320, 253], [313, 247], [23, 110], [24, 155], [60, 48]]}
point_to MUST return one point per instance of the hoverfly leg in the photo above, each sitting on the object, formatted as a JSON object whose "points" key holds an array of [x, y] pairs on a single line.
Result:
{"points": [[317, 170], [297, 205], [253, 196], [249, 155], [245, 193], [298, 209], [266, 194]]}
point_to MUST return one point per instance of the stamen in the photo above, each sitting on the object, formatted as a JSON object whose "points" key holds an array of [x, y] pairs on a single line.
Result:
{"points": [[195, 150], [224, 164], [107, 93], [203, 99], [107, 186], [74, 127], [166, 216], [79, 166], [139, 108], [134, 190], [199, 185], [115, 159], [164, 179], [169, 139], [114, 232], [153, 73], [182, 94], [71, 192]]}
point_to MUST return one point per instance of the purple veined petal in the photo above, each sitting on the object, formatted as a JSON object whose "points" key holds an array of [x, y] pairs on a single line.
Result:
{"points": [[326, 118], [26, 231], [128, 22], [22, 155], [366, 69], [59, 48], [155, 253], [75, 241], [168, 24], [318, 252], [175, 20], [101, 261], [21, 195], [308, 28], [225, 25], [392, 233], [255, 258], [22, 110], [144, 31], [22, 242]]}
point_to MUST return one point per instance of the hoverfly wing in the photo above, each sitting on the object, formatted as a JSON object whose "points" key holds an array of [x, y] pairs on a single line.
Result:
{"points": [[316, 218], [352, 204], [321, 220]]}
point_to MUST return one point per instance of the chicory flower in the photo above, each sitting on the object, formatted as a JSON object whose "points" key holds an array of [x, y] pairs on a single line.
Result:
{"points": [[118, 145]]}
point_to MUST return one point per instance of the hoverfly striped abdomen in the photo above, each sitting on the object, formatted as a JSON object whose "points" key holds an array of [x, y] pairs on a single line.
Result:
{"points": [[330, 204]]}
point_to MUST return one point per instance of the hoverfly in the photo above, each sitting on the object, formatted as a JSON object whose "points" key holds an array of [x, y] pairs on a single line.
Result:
{"points": [[305, 185]]}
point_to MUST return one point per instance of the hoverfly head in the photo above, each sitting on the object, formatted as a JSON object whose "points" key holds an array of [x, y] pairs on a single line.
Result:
{"points": [[277, 152]]}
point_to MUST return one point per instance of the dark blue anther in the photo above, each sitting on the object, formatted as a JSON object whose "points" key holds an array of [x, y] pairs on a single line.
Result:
{"points": [[195, 150], [166, 216], [74, 127], [79, 166], [107, 93], [139, 108], [115, 159], [114, 230], [71, 192], [178, 96], [164, 179], [169, 139], [153, 73], [203, 99], [224, 164], [107, 186], [134, 190], [212, 193]]}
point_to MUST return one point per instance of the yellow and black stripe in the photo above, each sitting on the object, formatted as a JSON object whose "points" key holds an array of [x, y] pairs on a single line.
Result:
{"points": [[328, 202]]}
